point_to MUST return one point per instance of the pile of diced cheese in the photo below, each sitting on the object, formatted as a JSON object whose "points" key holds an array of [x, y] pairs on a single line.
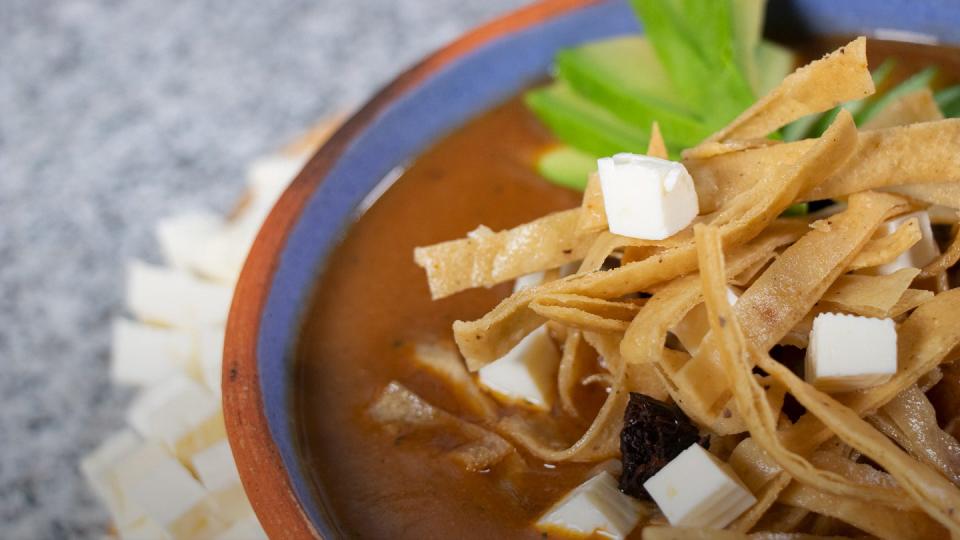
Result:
{"points": [[171, 474]]}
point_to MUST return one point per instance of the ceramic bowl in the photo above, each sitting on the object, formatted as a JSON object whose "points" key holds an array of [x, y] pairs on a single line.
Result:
{"points": [[479, 70]]}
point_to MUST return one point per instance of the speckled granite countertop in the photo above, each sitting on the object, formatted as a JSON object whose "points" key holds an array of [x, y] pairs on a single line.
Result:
{"points": [[114, 113]]}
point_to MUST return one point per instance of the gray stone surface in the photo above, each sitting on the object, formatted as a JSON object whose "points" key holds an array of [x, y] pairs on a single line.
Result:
{"points": [[113, 114]]}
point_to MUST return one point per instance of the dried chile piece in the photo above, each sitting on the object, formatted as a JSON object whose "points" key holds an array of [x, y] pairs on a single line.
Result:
{"points": [[653, 434]]}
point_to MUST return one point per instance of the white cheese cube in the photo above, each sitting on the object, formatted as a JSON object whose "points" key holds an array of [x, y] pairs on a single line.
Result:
{"points": [[184, 238], [144, 529], [528, 281], [175, 298], [527, 374], [168, 494], [178, 412], [210, 353], [698, 490], [216, 468], [248, 528], [921, 254], [646, 197], [596, 507], [99, 470], [226, 251], [269, 176], [691, 330], [218, 473], [144, 354], [848, 352]]}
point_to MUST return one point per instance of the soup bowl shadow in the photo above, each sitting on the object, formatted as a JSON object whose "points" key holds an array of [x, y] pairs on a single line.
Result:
{"points": [[472, 74]]}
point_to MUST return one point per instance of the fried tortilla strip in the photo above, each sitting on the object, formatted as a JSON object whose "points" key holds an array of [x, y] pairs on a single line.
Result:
{"points": [[485, 258], [870, 296], [607, 243], [840, 76], [599, 442], [924, 153], [880, 521], [657, 147], [942, 193], [445, 363], [714, 148], [918, 106], [783, 295], [686, 533], [637, 377], [575, 353], [830, 460], [935, 495], [911, 421], [750, 397], [402, 412], [585, 313], [602, 439], [745, 278], [911, 299], [887, 248], [783, 519], [645, 340], [946, 260], [593, 217], [491, 336], [764, 478], [593, 214]]}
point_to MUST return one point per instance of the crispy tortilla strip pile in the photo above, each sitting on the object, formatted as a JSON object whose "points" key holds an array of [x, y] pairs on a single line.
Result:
{"points": [[614, 315]]}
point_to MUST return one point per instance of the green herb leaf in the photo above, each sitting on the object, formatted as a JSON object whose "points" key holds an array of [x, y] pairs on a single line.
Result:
{"points": [[583, 124], [624, 75], [566, 166], [694, 42], [948, 100]]}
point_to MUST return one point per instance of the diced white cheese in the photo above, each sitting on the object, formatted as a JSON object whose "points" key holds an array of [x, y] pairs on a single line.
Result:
{"points": [[99, 470], [174, 411], [216, 468], [691, 330], [527, 373], [184, 238], [218, 473], [848, 352], [144, 354], [594, 507], [210, 349], [168, 494], [921, 254], [528, 281], [248, 528], [646, 197], [269, 176], [698, 490], [143, 529], [175, 298], [226, 251]]}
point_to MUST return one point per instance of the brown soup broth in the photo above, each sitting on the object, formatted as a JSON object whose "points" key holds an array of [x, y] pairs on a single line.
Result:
{"points": [[372, 305]]}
